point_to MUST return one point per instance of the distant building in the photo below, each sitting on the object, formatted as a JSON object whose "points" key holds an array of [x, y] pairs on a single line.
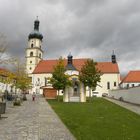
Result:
{"points": [[132, 79], [6, 86], [41, 70]]}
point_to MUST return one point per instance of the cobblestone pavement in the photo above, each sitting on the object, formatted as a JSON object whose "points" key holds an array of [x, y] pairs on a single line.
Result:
{"points": [[131, 107], [32, 121]]}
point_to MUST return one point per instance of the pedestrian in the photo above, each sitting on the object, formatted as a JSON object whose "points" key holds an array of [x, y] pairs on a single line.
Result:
{"points": [[33, 96]]}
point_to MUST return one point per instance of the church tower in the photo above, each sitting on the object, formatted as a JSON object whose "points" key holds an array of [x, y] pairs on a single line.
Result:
{"points": [[34, 51]]}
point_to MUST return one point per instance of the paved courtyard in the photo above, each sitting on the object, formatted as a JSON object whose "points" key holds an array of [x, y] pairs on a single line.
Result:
{"points": [[32, 121]]}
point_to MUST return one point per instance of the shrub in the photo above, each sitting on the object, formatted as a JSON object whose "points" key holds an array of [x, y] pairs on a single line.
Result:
{"points": [[17, 103]]}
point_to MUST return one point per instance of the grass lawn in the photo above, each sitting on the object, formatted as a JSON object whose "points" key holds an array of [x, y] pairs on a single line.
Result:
{"points": [[98, 120]]}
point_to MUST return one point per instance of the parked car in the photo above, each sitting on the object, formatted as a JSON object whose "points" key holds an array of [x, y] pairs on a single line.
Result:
{"points": [[104, 94]]}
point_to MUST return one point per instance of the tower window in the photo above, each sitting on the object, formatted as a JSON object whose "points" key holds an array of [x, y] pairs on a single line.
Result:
{"points": [[30, 68], [32, 45], [31, 53], [40, 55], [108, 85], [30, 62]]}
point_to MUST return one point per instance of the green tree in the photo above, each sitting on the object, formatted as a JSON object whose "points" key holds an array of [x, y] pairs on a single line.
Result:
{"points": [[23, 82], [90, 75], [59, 79]]}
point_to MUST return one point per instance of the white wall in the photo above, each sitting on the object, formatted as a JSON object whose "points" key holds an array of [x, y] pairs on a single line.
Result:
{"points": [[124, 85], [102, 86], [38, 80], [37, 54], [131, 95], [7, 87]]}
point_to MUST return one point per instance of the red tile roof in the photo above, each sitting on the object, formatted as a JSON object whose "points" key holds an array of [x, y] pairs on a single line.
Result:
{"points": [[132, 77], [47, 66], [3, 71]]}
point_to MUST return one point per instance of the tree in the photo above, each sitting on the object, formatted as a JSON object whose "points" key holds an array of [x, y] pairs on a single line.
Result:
{"points": [[4, 58], [59, 80], [90, 75], [23, 82]]}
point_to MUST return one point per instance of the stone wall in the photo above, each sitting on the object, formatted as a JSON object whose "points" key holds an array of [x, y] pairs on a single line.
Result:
{"points": [[131, 95]]}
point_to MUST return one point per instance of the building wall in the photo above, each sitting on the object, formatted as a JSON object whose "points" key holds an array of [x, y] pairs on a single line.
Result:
{"points": [[103, 87], [131, 95], [38, 81], [129, 85]]}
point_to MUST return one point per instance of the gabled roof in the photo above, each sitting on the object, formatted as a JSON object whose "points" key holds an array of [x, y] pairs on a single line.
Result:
{"points": [[3, 72], [47, 66], [132, 77]]}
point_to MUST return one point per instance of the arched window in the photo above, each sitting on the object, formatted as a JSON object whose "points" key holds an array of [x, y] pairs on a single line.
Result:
{"points": [[31, 53], [32, 45], [30, 62], [40, 55], [30, 68], [108, 85]]}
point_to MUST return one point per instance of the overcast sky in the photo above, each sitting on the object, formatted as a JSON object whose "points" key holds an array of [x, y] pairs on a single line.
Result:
{"points": [[86, 28]]}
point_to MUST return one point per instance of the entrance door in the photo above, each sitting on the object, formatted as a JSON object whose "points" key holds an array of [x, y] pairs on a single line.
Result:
{"points": [[76, 89]]}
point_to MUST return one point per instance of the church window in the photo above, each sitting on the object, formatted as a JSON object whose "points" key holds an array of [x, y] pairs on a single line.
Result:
{"points": [[38, 79], [31, 53], [108, 85], [46, 81], [115, 84], [32, 45], [30, 62], [30, 68]]}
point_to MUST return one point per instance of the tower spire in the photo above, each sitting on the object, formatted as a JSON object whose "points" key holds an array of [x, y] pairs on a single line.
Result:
{"points": [[113, 57], [36, 24]]}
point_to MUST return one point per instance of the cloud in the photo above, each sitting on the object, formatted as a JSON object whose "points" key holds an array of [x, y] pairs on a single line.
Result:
{"points": [[86, 28]]}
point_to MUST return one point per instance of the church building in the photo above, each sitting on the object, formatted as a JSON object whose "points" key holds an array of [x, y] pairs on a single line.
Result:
{"points": [[41, 70]]}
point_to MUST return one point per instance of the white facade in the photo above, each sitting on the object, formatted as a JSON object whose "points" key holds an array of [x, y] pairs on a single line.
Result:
{"points": [[129, 85], [108, 82], [40, 80], [7, 87]]}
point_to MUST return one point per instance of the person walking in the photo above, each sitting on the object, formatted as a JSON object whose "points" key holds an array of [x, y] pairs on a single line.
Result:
{"points": [[33, 96]]}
